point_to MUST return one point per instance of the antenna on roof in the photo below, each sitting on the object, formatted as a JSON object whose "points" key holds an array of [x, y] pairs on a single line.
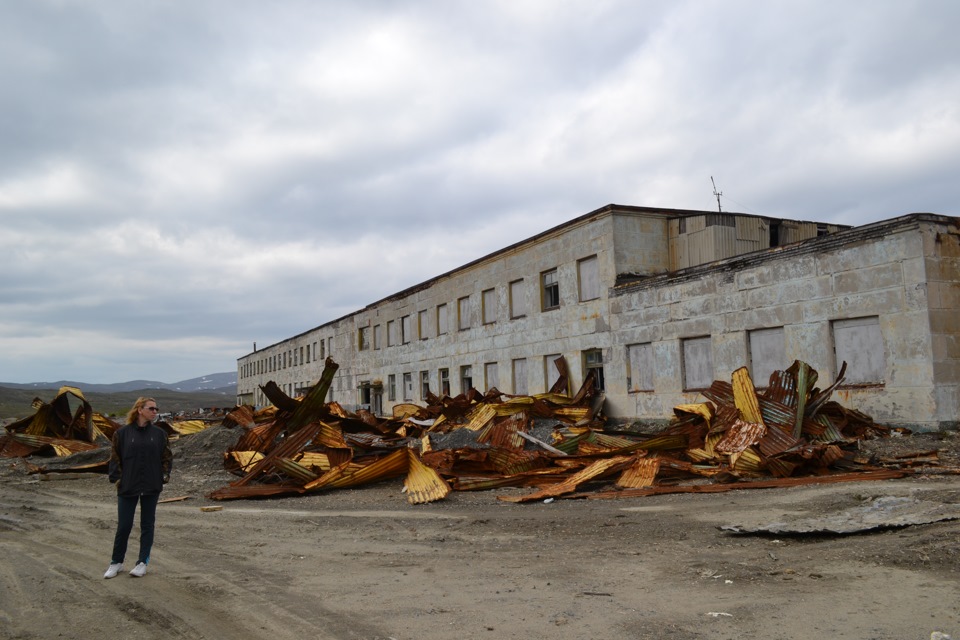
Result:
{"points": [[716, 194]]}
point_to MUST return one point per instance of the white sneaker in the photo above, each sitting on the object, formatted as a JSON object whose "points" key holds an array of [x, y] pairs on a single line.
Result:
{"points": [[140, 570], [113, 570]]}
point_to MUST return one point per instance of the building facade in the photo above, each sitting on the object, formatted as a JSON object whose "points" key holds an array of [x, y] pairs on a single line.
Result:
{"points": [[660, 303]]}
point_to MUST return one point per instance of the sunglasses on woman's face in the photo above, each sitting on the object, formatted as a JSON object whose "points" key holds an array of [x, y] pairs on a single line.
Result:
{"points": [[151, 409]]}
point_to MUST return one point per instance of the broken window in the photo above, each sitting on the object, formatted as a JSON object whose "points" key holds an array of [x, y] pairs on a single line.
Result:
{"points": [[520, 376], [697, 363], [441, 319], [301, 356], [308, 353], [444, 376], [588, 276], [363, 338], [593, 361], [405, 334], [859, 343], [424, 384], [768, 353], [466, 378], [408, 386], [640, 367], [518, 300], [423, 325], [549, 290], [463, 313], [491, 375], [489, 301], [550, 373], [377, 340], [392, 387], [323, 350]]}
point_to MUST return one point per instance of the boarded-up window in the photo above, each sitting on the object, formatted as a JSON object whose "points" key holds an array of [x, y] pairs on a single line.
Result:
{"points": [[441, 319], [463, 313], [423, 325], [405, 334], [859, 343], [391, 333], [550, 373], [697, 363], [520, 376], [491, 375], [363, 338], [518, 299], [377, 339], [640, 367], [589, 277], [489, 306], [768, 353]]}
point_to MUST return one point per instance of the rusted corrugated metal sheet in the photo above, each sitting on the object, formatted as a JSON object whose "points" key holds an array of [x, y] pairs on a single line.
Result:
{"points": [[641, 473], [423, 484], [60, 427], [737, 435], [595, 470]]}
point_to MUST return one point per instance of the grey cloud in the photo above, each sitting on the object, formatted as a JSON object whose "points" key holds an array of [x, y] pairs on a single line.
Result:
{"points": [[218, 173]]}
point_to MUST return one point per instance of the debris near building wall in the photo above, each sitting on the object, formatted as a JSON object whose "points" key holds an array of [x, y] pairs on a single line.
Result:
{"points": [[554, 444]]}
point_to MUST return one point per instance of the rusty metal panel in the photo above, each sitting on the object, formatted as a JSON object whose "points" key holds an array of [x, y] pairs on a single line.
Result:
{"points": [[423, 484], [745, 396], [592, 471], [480, 416], [641, 473], [294, 470], [740, 436]]}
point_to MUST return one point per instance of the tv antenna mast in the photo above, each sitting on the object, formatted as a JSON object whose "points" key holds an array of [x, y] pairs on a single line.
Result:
{"points": [[716, 194]]}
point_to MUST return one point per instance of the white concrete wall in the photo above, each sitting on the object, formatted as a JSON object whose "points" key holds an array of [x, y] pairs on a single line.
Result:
{"points": [[904, 272], [883, 276]]}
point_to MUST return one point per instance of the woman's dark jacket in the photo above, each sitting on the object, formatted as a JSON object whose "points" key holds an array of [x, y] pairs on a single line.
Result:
{"points": [[141, 459]]}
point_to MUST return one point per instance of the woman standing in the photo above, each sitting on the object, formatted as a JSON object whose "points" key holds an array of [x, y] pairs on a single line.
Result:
{"points": [[140, 464]]}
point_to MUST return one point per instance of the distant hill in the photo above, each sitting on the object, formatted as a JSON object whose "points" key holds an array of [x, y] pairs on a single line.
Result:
{"points": [[223, 383]]}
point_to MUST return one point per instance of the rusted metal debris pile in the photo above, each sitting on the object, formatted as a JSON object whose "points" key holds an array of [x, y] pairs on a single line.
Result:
{"points": [[68, 425], [789, 434], [65, 425]]}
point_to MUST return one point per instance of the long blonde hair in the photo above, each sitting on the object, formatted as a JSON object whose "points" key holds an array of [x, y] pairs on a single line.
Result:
{"points": [[132, 414]]}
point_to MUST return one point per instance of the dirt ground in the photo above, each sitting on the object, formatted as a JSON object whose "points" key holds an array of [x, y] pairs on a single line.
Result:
{"points": [[364, 564]]}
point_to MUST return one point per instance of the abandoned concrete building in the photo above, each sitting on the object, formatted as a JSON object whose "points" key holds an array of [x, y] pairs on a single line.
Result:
{"points": [[660, 302]]}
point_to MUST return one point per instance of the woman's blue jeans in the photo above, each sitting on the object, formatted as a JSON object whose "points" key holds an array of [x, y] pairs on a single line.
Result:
{"points": [[126, 508]]}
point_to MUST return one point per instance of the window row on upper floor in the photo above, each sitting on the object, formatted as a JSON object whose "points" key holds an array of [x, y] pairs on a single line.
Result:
{"points": [[318, 350], [444, 318]]}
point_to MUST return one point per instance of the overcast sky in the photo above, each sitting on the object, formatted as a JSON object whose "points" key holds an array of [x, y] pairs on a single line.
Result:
{"points": [[181, 179]]}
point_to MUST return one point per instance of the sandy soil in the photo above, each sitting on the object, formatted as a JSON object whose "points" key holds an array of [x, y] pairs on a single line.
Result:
{"points": [[365, 564]]}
